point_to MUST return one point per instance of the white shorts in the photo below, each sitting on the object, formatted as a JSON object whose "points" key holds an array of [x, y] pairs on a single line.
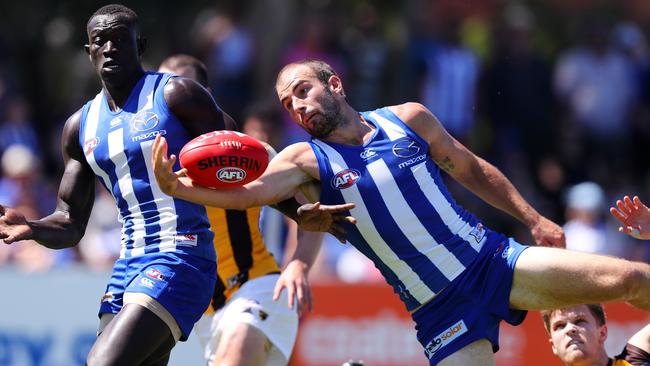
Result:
{"points": [[253, 304]]}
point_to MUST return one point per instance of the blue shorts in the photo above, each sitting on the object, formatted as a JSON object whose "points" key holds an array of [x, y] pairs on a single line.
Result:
{"points": [[473, 305], [181, 283]]}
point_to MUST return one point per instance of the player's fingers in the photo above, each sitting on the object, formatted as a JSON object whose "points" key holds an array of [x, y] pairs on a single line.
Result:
{"points": [[291, 292], [338, 208], [277, 290], [620, 216], [338, 232], [350, 219], [181, 173], [300, 297], [628, 203], [622, 207]]}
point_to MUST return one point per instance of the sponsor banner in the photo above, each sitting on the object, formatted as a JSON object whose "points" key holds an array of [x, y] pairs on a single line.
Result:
{"points": [[368, 322]]}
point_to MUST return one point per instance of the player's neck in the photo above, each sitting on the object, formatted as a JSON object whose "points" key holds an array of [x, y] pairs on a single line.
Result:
{"points": [[117, 93], [355, 131]]}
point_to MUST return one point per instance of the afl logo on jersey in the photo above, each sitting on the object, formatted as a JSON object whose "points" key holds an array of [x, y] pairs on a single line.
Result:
{"points": [[144, 121], [406, 148], [346, 178], [90, 145]]}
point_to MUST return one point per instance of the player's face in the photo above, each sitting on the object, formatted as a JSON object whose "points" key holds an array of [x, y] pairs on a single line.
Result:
{"points": [[576, 335], [311, 104], [113, 47]]}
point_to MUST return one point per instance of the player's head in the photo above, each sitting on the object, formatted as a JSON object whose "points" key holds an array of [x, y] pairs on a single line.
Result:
{"points": [[186, 66], [114, 43], [577, 333], [313, 94]]}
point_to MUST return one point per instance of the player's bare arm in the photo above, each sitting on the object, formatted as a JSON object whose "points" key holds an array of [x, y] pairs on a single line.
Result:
{"points": [[67, 224], [476, 174], [280, 181], [634, 217], [195, 108]]}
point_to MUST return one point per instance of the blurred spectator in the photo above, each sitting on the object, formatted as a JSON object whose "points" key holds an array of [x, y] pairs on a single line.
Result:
{"points": [[585, 229], [517, 91], [450, 77], [229, 58], [594, 80], [367, 53], [16, 127], [22, 187]]}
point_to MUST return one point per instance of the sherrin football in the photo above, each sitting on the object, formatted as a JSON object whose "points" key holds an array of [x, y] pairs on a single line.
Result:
{"points": [[223, 159]]}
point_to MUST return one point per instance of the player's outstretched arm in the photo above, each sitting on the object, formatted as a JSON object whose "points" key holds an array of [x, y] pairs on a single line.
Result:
{"points": [[279, 182], [477, 175], [634, 217], [67, 224]]}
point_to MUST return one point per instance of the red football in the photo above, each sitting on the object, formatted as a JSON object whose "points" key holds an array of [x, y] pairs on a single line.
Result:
{"points": [[223, 159]]}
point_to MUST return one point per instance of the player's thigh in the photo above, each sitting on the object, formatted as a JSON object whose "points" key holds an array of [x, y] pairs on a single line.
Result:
{"points": [[134, 336], [547, 278], [478, 353], [241, 344]]}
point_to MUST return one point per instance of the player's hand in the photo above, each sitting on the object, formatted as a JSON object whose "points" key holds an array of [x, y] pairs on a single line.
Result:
{"points": [[634, 217], [546, 233], [326, 218], [163, 167], [13, 225], [294, 279]]}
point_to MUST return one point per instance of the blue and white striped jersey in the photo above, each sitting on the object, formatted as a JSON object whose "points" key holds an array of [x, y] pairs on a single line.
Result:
{"points": [[408, 223], [117, 146]]}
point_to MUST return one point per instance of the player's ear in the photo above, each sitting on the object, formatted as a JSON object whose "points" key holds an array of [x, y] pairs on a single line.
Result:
{"points": [[602, 334], [336, 85], [142, 45], [550, 340]]}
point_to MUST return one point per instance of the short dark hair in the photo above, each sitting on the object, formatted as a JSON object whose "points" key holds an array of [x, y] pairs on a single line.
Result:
{"points": [[596, 310], [178, 61], [322, 69], [116, 9]]}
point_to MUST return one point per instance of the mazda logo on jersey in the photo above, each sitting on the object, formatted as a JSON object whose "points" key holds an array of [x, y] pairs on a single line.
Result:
{"points": [[144, 121], [345, 178], [406, 148]]}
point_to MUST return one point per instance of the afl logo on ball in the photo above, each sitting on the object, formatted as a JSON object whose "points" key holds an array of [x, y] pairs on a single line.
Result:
{"points": [[90, 145], [345, 179], [406, 148], [231, 175], [144, 121]]}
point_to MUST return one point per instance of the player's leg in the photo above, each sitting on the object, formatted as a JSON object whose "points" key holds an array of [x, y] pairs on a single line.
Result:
{"points": [[478, 353], [131, 338], [547, 278], [242, 344]]}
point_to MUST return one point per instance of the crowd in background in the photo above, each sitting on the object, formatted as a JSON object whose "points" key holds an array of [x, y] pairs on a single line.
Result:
{"points": [[554, 93]]}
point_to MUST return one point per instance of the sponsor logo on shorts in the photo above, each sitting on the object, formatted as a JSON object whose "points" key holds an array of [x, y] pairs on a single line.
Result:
{"points": [[146, 282], [345, 179], [155, 274], [189, 240], [478, 232], [507, 252], [445, 338], [107, 297]]}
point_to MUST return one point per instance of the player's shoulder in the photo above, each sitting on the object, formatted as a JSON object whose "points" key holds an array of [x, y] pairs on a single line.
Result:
{"points": [[297, 150], [410, 111]]}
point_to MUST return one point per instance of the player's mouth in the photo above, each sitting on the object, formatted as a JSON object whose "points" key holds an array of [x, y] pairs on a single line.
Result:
{"points": [[110, 66]]}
